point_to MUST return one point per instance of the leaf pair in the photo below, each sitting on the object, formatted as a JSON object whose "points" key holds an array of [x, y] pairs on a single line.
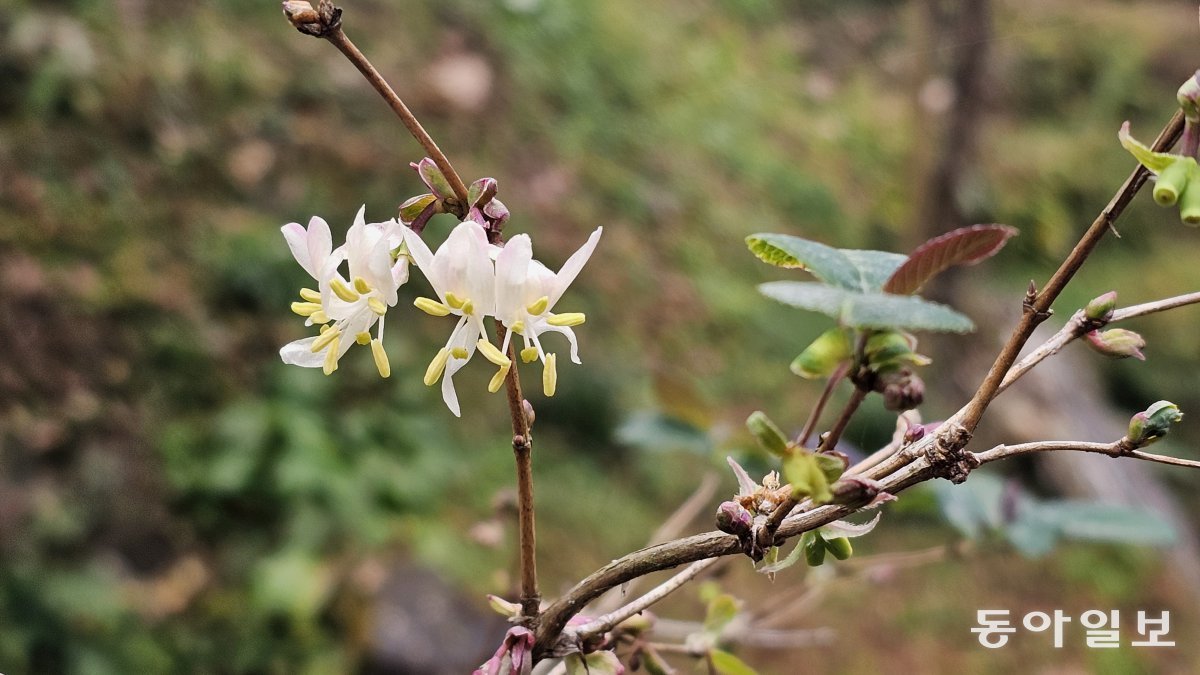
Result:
{"points": [[873, 289]]}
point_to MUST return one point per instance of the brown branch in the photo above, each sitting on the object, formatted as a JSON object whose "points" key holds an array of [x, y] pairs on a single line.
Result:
{"points": [[815, 415], [522, 444], [326, 22], [1116, 449], [606, 622], [1038, 308]]}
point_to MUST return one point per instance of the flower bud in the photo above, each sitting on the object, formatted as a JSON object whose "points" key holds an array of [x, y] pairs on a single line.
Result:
{"points": [[891, 349], [1152, 423], [819, 359], [1189, 98], [814, 549], [767, 433], [1117, 343], [433, 178], [299, 12], [733, 518], [482, 191], [1172, 182], [1101, 308], [1189, 201], [901, 389], [854, 491], [412, 209], [914, 433], [840, 547]]}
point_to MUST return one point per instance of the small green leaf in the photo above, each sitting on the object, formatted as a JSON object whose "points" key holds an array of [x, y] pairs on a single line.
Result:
{"points": [[728, 664], [831, 465], [721, 610], [868, 310], [768, 435], [823, 356], [874, 267], [808, 479], [1155, 162], [814, 549], [780, 565], [851, 269]]}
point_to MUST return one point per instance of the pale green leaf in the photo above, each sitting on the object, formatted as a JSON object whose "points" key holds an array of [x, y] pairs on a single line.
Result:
{"points": [[728, 664], [868, 310], [721, 610], [845, 268]]}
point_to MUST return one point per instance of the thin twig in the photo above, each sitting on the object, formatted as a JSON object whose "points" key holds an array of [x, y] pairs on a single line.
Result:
{"points": [[815, 416], [1116, 449], [605, 623], [1078, 325]]}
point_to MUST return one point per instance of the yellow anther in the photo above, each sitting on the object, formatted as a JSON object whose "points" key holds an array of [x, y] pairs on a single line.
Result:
{"points": [[454, 301], [381, 359], [529, 354], [550, 375], [325, 339], [518, 327], [361, 285], [498, 378], [319, 317], [306, 308], [332, 356], [379, 308], [431, 307], [567, 319], [436, 366], [492, 353], [363, 338], [310, 295], [459, 352], [326, 327], [539, 306], [468, 308], [343, 291]]}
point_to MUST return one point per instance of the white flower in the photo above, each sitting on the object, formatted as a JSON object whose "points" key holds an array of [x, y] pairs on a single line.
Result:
{"points": [[464, 279], [346, 309], [526, 292]]}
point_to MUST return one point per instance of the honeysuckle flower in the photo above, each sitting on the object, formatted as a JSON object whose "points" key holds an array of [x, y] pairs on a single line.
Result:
{"points": [[346, 309], [464, 279], [526, 293], [1178, 176]]}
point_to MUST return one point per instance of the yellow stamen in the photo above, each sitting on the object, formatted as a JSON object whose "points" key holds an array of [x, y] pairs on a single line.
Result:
{"points": [[519, 328], [363, 338], [454, 301], [379, 308], [459, 352], [468, 308], [310, 295], [343, 291], [550, 375], [325, 328], [306, 308], [436, 366], [332, 356], [381, 359], [498, 378], [529, 354], [325, 339], [539, 306], [492, 353], [431, 307], [319, 317], [361, 285], [567, 319]]}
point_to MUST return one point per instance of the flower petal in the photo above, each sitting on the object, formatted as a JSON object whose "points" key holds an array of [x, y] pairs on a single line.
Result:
{"points": [[512, 271], [574, 264], [299, 353], [543, 327]]}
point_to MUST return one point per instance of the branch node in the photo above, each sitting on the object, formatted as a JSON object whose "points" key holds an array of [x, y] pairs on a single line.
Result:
{"points": [[947, 454], [321, 22]]}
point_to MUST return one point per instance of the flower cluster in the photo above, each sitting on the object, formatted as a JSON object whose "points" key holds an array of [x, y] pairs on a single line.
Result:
{"points": [[472, 279]]}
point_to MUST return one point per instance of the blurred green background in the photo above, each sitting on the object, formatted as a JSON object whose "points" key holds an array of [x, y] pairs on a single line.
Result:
{"points": [[174, 499]]}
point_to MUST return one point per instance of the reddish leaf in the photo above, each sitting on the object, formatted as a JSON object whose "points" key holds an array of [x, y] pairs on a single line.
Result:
{"points": [[964, 246]]}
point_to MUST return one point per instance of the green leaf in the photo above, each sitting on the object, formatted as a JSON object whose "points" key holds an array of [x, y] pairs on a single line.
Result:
{"points": [[728, 664], [660, 432], [845, 268], [791, 559], [807, 477], [1155, 162], [964, 246], [868, 310], [721, 610], [973, 507], [1117, 523], [823, 356]]}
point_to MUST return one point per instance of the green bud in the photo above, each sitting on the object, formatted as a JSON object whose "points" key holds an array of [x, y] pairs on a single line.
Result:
{"points": [[841, 548], [888, 350], [814, 549], [1117, 343], [832, 465], [1189, 201], [830, 350], [412, 208], [1152, 423], [1101, 308], [1173, 182], [1189, 96], [768, 435], [433, 177], [807, 477]]}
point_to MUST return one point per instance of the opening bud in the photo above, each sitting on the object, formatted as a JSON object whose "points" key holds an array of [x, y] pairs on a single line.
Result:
{"points": [[767, 433], [1101, 308], [1152, 423], [1117, 343]]}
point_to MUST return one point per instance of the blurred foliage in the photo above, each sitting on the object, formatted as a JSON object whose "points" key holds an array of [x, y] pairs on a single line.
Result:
{"points": [[172, 498]]}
